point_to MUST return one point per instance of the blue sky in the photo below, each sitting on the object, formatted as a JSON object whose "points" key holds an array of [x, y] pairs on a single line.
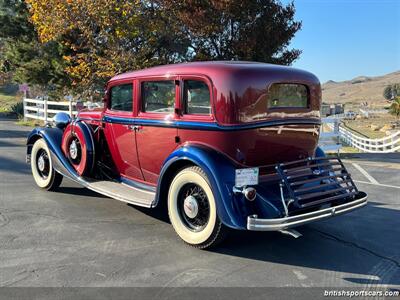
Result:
{"points": [[342, 39]]}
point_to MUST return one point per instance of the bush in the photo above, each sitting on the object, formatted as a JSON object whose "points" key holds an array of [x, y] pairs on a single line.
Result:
{"points": [[395, 107], [18, 109]]}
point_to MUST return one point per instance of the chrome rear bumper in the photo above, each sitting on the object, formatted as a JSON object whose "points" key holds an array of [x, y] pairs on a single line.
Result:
{"points": [[277, 224]]}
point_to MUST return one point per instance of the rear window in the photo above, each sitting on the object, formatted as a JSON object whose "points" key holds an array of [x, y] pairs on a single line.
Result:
{"points": [[282, 95], [278, 98]]}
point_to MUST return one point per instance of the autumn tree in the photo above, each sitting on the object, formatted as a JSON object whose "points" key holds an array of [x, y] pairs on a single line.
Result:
{"points": [[23, 58], [105, 37]]}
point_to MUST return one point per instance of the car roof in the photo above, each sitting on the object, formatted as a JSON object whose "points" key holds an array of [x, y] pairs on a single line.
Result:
{"points": [[204, 67]]}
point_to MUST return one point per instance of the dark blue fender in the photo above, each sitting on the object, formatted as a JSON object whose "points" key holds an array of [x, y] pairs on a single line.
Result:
{"points": [[220, 172], [232, 209], [319, 152], [53, 138]]}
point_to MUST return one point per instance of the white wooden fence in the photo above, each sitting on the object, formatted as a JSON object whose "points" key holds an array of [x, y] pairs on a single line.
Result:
{"points": [[387, 144], [45, 110], [39, 109], [329, 139]]}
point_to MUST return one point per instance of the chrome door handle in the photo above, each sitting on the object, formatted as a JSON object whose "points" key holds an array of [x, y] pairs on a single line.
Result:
{"points": [[135, 127]]}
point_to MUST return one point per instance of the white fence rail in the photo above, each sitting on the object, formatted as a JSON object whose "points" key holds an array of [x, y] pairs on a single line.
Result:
{"points": [[387, 144], [45, 110], [39, 109]]}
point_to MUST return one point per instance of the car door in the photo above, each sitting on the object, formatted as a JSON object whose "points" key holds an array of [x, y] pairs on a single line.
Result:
{"points": [[156, 136], [120, 130]]}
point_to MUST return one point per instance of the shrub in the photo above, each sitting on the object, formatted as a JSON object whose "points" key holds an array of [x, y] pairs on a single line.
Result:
{"points": [[395, 107], [18, 109]]}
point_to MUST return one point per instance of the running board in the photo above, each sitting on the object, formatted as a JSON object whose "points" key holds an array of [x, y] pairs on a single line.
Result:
{"points": [[116, 190], [123, 192]]}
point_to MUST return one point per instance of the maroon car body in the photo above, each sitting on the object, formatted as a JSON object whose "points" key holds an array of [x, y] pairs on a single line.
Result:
{"points": [[237, 91], [216, 120]]}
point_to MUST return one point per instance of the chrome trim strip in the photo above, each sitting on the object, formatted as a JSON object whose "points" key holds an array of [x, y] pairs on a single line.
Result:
{"points": [[197, 125], [254, 223]]}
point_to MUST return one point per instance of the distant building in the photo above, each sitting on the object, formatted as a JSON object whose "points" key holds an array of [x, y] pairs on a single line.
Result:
{"points": [[331, 109]]}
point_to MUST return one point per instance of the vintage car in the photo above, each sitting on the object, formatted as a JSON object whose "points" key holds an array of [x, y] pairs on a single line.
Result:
{"points": [[220, 145]]}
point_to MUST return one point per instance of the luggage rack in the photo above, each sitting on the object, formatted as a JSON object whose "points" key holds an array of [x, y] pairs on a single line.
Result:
{"points": [[314, 181]]}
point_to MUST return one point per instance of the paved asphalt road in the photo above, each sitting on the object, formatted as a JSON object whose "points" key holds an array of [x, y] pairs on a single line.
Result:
{"points": [[75, 237]]}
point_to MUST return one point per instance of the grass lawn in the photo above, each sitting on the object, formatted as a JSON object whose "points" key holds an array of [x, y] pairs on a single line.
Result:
{"points": [[30, 123], [9, 96], [6, 101], [348, 149], [363, 126]]}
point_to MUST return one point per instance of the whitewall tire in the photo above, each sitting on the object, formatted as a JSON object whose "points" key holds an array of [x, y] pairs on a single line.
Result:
{"points": [[42, 167], [192, 209]]}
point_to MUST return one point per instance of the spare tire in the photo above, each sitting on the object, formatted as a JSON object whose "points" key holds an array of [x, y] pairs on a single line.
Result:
{"points": [[78, 146]]}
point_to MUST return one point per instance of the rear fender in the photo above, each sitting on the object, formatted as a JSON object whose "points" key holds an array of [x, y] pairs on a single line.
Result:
{"points": [[220, 171]]}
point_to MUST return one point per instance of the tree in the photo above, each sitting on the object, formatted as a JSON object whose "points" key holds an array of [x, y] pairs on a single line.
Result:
{"points": [[391, 91], [105, 37], [387, 92], [255, 30], [395, 107], [23, 58]]}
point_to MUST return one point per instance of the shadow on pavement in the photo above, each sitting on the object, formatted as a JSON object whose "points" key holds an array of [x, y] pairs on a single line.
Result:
{"points": [[4, 143], [318, 248], [377, 157], [160, 213], [78, 191], [7, 134], [14, 166]]}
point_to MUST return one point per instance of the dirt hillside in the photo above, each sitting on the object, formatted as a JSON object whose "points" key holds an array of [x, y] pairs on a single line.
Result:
{"points": [[359, 89]]}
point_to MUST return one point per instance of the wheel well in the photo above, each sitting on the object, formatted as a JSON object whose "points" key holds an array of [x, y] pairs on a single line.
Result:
{"points": [[167, 179], [30, 143]]}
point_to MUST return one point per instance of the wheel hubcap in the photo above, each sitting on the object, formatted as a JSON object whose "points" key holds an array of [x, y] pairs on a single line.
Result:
{"points": [[73, 150], [41, 164], [194, 208], [190, 207]]}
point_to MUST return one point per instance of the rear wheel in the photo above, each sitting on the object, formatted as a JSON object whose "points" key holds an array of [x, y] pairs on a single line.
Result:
{"points": [[192, 209], [42, 168]]}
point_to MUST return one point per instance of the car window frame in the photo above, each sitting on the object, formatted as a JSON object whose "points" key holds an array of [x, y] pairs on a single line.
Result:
{"points": [[289, 108], [140, 102], [112, 84], [182, 105]]}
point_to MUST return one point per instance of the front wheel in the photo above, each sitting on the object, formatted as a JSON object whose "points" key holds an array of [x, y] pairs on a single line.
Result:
{"points": [[42, 168], [192, 209]]}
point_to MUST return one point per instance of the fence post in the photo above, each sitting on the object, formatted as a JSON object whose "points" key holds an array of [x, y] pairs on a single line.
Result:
{"points": [[392, 144], [45, 110], [24, 105], [70, 108]]}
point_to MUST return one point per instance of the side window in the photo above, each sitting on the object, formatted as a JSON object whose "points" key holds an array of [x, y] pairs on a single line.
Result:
{"points": [[158, 96], [121, 97], [197, 97]]}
